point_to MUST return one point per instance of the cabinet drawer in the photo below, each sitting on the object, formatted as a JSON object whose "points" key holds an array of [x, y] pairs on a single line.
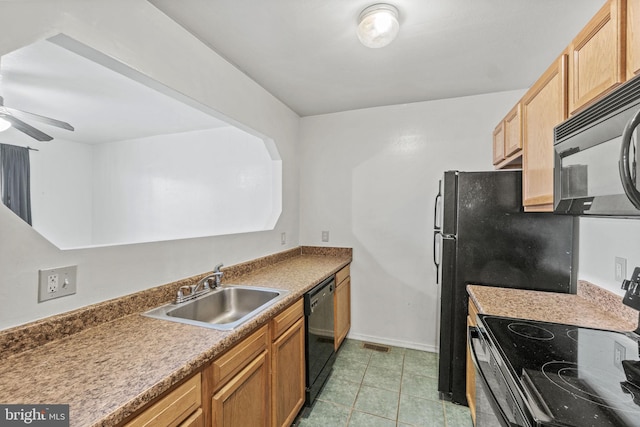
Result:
{"points": [[342, 274], [230, 363], [175, 407], [288, 317]]}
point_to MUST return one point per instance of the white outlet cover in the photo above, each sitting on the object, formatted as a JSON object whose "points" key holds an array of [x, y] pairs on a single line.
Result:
{"points": [[57, 282]]}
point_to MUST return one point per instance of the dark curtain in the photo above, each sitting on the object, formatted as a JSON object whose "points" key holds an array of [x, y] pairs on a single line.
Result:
{"points": [[15, 180]]}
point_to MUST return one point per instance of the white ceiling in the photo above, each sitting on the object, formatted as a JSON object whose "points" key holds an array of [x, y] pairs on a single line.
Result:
{"points": [[306, 52], [103, 105]]}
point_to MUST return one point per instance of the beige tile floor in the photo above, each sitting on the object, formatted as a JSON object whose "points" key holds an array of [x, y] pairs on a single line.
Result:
{"points": [[372, 389]]}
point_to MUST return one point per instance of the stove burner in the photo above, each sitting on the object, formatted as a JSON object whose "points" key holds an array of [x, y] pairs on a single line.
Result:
{"points": [[531, 331], [590, 386], [573, 334]]}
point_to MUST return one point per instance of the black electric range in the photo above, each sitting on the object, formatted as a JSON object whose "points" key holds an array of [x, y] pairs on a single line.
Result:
{"points": [[550, 374]]}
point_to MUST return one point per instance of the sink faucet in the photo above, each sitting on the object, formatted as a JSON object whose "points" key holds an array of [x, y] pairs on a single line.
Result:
{"points": [[201, 287]]}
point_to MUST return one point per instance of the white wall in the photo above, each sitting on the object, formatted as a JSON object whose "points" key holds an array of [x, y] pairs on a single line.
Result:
{"points": [[603, 239], [200, 183], [61, 195], [369, 177], [134, 32]]}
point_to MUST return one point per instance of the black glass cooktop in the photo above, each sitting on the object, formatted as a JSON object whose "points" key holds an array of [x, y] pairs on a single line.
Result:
{"points": [[571, 375]]}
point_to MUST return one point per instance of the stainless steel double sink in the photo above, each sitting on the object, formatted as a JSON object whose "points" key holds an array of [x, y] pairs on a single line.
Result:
{"points": [[223, 308]]}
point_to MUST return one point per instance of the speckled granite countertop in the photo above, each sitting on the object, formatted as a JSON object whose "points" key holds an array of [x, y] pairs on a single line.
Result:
{"points": [[109, 370], [591, 306]]}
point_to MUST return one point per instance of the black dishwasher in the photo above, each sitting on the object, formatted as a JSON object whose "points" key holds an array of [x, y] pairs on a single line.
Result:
{"points": [[319, 339]]}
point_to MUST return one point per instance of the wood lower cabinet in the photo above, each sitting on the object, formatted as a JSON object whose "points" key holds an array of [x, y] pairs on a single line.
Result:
{"points": [[244, 400], [287, 365], [342, 306], [180, 407], [597, 56], [471, 371], [543, 107], [195, 420], [237, 384], [633, 38], [261, 380]]}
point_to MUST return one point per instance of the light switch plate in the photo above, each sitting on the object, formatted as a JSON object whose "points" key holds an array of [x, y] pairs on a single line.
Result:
{"points": [[57, 282]]}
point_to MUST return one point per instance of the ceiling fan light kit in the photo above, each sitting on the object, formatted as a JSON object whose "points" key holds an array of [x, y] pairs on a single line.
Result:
{"points": [[378, 25], [4, 124], [7, 115]]}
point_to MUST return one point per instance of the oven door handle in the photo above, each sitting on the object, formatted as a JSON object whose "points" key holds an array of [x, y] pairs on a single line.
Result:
{"points": [[473, 334], [628, 176]]}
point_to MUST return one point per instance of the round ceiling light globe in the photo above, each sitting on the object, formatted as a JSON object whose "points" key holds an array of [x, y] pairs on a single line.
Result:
{"points": [[378, 25]]}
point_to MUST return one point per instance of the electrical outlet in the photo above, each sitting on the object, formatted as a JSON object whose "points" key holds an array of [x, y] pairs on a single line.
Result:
{"points": [[620, 269], [325, 236], [57, 282], [283, 238], [52, 283]]}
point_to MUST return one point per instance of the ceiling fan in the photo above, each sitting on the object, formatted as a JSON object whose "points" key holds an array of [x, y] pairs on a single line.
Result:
{"points": [[9, 114]]}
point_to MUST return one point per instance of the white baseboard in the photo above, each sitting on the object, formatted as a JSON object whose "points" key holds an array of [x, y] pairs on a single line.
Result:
{"points": [[395, 343]]}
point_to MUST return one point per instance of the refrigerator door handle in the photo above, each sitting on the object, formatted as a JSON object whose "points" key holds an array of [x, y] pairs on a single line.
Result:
{"points": [[437, 252], [437, 210]]}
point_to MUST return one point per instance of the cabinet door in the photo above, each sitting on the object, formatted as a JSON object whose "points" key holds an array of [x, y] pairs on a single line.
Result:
{"points": [[513, 132], [471, 371], [288, 375], [498, 143], [244, 400], [342, 311], [543, 107], [597, 55], [633, 38]]}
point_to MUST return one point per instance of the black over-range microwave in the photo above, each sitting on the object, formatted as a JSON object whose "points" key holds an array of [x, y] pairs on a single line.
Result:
{"points": [[597, 155]]}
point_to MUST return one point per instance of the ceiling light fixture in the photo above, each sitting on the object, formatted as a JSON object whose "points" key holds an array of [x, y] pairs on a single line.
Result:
{"points": [[4, 124], [378, 25]]}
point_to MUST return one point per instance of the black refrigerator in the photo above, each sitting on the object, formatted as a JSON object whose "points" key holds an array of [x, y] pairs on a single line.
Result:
{"points": [[483, 236]]}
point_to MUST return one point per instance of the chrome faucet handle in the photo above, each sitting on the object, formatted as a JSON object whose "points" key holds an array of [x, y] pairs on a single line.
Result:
{"points": [[180, 295], [218, 274]]}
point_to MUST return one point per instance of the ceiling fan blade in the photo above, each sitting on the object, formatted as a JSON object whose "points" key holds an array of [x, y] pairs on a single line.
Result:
{"points": [[25, 128], [43, 119]]}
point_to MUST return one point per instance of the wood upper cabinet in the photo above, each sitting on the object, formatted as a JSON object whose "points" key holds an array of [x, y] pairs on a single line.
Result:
{"points": [[513, 131], [597, 55], [633, 38], [507, 140], [498, 143], [471, 371], [342, 306], [543, 107], [287, 365], [180, 407]]}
